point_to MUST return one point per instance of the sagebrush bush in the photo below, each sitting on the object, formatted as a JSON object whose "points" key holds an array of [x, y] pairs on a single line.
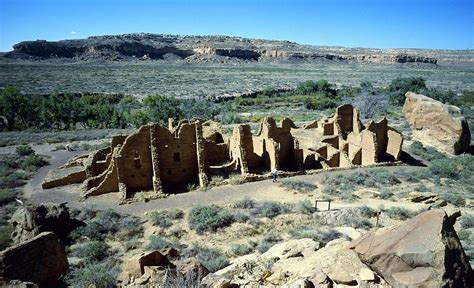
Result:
{"points": [[270, 209], [366, 211], [213, 259], [160, 218], [305, 207], [245, 203], [297, 185], [467, 221], [204, 218], [240, 249], [399, 213], [91, 251], [7, 195], [33, 162], [24, 150], [157, 243], [103, 224], [268, 241], [5, 235], [427, 153], [98, 274]]}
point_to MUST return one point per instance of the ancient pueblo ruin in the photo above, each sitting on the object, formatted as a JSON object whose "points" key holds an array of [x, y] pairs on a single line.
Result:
{"points": [[167, 160]]}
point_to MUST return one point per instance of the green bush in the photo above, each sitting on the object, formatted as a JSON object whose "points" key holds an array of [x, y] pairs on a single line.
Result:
{"points": [[245, 203], [204, 218], [467, 221], [5, 236], [108, 224], [240, 249], [456, 168], [452, 198], [399, 213], [305, 207], [131, 244], [427, 153], [34, 162], [321, 236], [24, 150], [270, 209], [98, 274], [267, 242], [160, 218], [400, 86], [157, 243], [213, 259], [91, 251], [297, 185], [7, 195], [367, 212]]}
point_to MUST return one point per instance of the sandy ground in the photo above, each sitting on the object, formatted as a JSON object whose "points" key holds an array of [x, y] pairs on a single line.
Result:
{"points": [[223, 195]]}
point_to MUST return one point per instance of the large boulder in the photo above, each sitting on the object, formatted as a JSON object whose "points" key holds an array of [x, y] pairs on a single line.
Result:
{"points": [[436, 124], [41, 260], [422, 252], [29, 221]]}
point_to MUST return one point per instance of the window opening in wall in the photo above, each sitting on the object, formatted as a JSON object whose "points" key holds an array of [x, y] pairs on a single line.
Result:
{"points": [[176, 157], [137, 159], [169, 172]]}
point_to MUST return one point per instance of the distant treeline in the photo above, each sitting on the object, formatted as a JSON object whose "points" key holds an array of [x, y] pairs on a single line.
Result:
{"points": [[66, 111]]}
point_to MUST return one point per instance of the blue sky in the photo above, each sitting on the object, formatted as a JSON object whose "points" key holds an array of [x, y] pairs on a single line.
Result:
{"points": [[358, 23]]}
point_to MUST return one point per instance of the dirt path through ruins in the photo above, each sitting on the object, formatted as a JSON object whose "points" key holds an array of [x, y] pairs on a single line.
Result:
{"points": [[223, 195]]}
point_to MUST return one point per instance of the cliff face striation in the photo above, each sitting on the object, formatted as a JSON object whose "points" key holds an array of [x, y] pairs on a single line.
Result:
{"points": [[207, 49]]}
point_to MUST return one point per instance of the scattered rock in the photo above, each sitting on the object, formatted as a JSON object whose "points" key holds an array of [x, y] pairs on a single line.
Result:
{"points": [[425, 197], [423, 252], [192, 268], [41, 260], [366, 274], [134, 268], [292, 248], [29, 221], [436, 124]]}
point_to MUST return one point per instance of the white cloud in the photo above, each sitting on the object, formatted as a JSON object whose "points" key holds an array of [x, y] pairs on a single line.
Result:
{"points": [[73, 32]]}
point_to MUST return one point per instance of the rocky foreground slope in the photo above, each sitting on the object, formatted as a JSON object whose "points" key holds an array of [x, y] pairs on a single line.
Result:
{"points": [[220, 49]]}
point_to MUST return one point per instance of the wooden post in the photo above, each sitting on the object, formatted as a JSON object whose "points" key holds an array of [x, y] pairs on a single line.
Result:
{"points": [[377, 220], [316, 205], [329, 205]]}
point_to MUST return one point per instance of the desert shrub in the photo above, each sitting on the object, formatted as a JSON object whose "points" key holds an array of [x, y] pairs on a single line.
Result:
{"points": [[297, 185], [160, 218], [269, 209], [241, 217], [7, 195], [456, 168], [216, 180], [467, 221], [175, 213], [452, 198], [385, 194], [98, 274], [400, 86], [5, 236], [267, 242], [24, 150], [321, 236], [367, 212], [33, 162], [399, 213], [369, 101], [427, 153], [305, 207], [157, 243], [103, 224], [213, 259], [209, 218], [131, 244], [240, 249], [91, 251], [384, 177], [189, 279], [245, 203], [311, 87]]}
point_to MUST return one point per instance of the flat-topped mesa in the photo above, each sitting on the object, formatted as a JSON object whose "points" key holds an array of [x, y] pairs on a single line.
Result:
{"points": [[168, 160]]}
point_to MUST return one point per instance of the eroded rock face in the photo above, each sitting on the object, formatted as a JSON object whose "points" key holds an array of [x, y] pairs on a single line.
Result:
{"points": [[422, 252], [29, 221], [436, 124], [41, 260]]}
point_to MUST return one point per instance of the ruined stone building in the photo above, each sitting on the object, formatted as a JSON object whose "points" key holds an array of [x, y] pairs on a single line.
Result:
{"points": [[168, 160]]}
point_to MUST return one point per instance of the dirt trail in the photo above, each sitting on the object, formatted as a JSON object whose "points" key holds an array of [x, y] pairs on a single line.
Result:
{"points": [[261, 190]]}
